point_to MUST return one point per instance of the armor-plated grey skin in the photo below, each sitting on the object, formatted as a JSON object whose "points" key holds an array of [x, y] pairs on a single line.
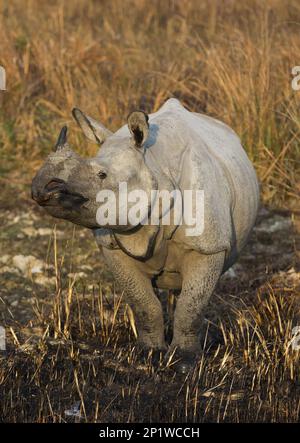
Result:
{"points": [[170, 149]]}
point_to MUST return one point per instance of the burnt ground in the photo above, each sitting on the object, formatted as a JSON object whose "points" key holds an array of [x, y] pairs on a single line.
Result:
{"points": [[70, 345]]}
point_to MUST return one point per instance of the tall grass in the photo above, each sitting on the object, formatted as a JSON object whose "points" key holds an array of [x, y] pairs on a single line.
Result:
{"points": [[227, 58]]}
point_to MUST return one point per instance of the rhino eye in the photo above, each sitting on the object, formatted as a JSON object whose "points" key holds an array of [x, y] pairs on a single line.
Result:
{"points": [[102, 175]]}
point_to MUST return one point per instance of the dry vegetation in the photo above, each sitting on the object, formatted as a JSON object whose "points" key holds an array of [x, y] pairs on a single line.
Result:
{"points": [[71, 340], [227, 58]]}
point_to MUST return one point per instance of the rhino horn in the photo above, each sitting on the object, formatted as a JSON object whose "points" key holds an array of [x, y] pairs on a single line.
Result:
{"points": [[62, 139]]}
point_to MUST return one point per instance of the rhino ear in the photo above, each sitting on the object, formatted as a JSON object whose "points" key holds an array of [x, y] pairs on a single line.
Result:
{"points": [[138, 126], [93, 130]]}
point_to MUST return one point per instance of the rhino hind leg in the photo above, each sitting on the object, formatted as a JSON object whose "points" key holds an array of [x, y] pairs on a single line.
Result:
{"points": [[140, 295], [200, 274]]}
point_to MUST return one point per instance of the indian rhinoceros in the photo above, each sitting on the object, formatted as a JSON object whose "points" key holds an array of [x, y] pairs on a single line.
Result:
{"points": [[167, 150]]}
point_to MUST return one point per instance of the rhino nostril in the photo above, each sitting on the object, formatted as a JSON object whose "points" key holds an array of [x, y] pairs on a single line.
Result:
{"points": [[39, 197], [54, 184]]}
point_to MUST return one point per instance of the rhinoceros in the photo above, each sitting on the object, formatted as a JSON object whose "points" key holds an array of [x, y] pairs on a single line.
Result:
{"points": [[170, 149]]}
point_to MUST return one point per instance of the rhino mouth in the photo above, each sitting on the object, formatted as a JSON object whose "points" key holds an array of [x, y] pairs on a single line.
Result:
{"points": [[64, 198], [56, 193]]}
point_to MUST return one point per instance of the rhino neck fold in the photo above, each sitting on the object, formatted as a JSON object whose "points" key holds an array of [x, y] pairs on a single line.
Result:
{"points": [[139, 244]]}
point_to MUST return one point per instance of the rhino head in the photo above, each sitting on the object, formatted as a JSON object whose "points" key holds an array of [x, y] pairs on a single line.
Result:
{"points": [[67, 184]]}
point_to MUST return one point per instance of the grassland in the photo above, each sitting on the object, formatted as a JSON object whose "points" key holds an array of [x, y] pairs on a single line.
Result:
{"points": [[70, 336]]}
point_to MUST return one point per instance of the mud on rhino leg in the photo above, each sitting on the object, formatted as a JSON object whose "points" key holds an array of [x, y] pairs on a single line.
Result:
{"points": [[140, 296], [200, 274]]}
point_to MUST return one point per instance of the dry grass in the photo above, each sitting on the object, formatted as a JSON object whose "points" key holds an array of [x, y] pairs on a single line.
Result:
{"points": [[75, 357], [253, 376], [227, 58]]}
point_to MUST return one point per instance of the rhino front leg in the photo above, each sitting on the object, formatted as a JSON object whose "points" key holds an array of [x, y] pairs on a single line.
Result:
{"points": [[140, 296], [200, 274]]}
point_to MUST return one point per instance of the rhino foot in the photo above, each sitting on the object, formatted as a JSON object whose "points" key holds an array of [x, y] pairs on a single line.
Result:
{"points": [[182, 361], [148, 355]]}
